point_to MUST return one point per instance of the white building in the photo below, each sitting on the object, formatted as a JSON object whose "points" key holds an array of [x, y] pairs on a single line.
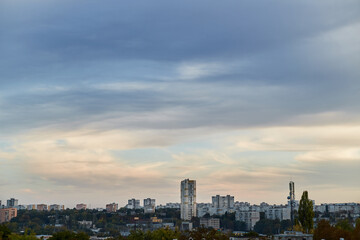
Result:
{"points": [[278, 212], [133, 204], [149, 205], [223, 201], [203, 208], [188, 199], [169, 205], [221, 204], [249, 217]]}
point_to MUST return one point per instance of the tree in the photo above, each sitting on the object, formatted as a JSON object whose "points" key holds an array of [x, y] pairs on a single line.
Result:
{"points": [[69, 235], [4, 232], [324, 231], [306, 212], [356, 232], [268, 226]]}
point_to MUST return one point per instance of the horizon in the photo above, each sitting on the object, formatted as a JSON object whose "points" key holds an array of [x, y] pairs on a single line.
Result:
{"points": [[98, 205], [112, 101]]}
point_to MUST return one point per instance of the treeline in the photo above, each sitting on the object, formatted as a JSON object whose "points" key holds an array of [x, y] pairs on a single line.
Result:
{"points": [[342, 229], [163, 234], [110, 224], [7, 234], [48, 222], [270, 227]]}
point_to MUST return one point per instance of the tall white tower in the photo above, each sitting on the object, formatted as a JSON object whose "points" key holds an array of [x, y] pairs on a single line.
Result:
{"points": [[188, 199]]}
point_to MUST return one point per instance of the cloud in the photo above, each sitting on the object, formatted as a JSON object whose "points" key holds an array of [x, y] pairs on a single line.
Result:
{"points": [[195, 70], [215, 91], [342, 155], [301, 138]]}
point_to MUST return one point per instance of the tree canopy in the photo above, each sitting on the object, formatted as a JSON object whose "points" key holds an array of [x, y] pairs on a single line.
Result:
{"points": [[306, 212]]}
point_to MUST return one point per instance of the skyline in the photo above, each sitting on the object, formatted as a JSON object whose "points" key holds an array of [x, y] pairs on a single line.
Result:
{"points": [[120, 100], [89, 204]]}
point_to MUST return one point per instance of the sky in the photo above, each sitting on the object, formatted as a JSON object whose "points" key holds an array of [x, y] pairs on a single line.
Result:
{"points": [[103, 101]]}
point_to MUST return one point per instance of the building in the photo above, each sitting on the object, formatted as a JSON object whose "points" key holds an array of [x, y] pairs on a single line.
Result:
{"points": [[112, 207], [133, 204], [278, 212], [81, 206], [149, 205], [169, 205], [188, 199], [85, 224], [210, 223], [250, 217], [186, 226], [11, 203], [6, 214], [56, 207], [223, 201], [221, 204], [203, 209], [31, 207], [292, 235], [42, 207]]}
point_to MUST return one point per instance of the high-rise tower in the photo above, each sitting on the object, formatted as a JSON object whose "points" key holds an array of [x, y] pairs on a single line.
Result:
{"points": [[291, 199], [188, 199]]}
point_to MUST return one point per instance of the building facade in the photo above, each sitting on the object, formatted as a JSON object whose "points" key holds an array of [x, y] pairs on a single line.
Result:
{"points": [[81, 206], [56, 207], [149, 205], [42, 207], [210, 223], [112, 207], [12, 202], [6, 214], [250, 217], [188, 199], [133, 204]]}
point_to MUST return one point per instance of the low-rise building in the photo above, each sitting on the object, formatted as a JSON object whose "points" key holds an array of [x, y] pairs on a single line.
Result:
{"points": [[210, 223]]}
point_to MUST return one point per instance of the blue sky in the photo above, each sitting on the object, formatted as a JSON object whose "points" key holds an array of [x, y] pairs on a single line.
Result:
{"points": [[101, 101]]}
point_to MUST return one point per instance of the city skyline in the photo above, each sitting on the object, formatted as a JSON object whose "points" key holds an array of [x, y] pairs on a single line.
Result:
{"points": [[224, 200], [113, 101]]}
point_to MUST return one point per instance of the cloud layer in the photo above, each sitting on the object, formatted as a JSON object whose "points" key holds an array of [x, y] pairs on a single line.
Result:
{"points": [[129, 98]]}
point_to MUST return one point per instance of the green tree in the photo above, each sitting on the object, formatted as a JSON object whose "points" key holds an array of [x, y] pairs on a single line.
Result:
{"points": [[306, 212], [28, 235], [4, 232], [69, 235]]}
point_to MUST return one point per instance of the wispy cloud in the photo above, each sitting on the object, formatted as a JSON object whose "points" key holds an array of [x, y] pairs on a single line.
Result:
{"points": [[151, 93]]}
